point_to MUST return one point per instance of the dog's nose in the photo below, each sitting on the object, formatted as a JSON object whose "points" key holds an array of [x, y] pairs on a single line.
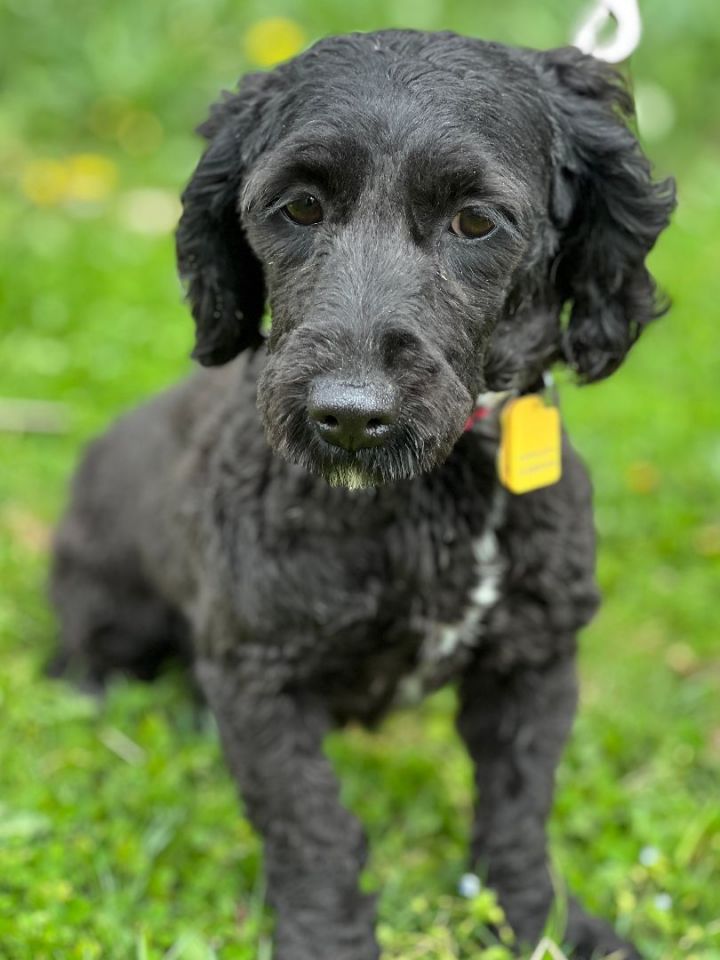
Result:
{"points": [[352, 416]]}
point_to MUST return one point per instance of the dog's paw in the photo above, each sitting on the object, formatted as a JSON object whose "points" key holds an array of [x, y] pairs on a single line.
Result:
{"points": [[590, 938]]}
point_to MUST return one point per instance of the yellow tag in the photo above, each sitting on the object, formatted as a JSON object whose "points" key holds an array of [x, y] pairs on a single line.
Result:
{"points": [[530, 446]]}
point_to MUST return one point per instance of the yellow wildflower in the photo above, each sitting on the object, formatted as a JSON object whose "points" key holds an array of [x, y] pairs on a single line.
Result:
{"points": [[273, 39], [84, 177], [44, 182], [643, 477], [91, 177]]}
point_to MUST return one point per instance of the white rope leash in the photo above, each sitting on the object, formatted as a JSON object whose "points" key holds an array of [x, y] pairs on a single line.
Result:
{"points": [[626, 15]]}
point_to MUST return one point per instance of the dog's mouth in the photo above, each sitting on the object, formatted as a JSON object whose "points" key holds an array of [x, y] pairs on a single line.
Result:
{"points": [[360, 431], [405, 456], [354, 472]]}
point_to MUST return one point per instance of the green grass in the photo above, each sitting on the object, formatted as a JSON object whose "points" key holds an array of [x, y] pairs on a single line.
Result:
{"points": [[119, 828]]}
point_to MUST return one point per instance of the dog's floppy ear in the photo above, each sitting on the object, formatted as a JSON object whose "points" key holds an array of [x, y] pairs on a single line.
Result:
{"points": [[608, 209], [224, 279]]}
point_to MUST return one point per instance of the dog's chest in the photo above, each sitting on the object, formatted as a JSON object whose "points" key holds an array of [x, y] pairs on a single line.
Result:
{"points": [[466, 584], [428, 619], [379, 585], [450, 642]]}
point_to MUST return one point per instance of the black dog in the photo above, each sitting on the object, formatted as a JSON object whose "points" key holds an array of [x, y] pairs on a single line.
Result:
{"points": [[418, 210]]}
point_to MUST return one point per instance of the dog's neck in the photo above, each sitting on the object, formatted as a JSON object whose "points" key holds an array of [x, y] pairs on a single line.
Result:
{"points": [[492, 401]]}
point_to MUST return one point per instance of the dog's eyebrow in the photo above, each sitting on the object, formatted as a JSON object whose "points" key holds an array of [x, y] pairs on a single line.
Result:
{"points": [[436, 176], [442, 175], [327, 158]]}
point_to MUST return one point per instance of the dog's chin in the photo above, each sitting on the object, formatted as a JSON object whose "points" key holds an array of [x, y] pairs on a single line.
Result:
{"points": [[350, 476], [403, 459]]}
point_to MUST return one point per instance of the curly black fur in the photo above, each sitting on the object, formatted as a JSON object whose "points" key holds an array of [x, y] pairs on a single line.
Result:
{"points": [[198, 526]]}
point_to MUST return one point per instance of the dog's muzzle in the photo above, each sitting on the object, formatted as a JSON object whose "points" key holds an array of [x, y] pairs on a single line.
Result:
{"points": [[352, 416]]}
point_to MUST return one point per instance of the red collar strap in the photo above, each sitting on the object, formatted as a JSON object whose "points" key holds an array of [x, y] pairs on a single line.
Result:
{"points": [[478, 414], [488, 403]]}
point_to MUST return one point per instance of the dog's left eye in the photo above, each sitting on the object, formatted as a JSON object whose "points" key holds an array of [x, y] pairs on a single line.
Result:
{"points": [[471, 224], [306, 210]]}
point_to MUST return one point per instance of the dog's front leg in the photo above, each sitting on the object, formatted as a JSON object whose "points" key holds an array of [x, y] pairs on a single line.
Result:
{"points": [[314, 848], [515, 726]]}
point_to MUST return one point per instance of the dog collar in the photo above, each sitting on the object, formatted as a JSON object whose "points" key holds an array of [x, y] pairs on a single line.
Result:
{"points": [[485, 404], [478, 414], [529, 435]]}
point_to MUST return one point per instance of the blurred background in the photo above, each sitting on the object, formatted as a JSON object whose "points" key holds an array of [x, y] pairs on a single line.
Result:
{"points": [[119, 836]]}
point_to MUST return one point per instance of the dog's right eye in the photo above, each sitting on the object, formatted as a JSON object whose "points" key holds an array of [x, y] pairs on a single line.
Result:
{"points": [[306, 210]]}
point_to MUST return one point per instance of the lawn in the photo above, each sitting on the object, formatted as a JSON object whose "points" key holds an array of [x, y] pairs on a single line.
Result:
{"points": [[119, 828]]}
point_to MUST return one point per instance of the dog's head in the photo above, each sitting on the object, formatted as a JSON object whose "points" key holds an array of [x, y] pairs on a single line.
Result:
{"points": [[418, 210]]}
